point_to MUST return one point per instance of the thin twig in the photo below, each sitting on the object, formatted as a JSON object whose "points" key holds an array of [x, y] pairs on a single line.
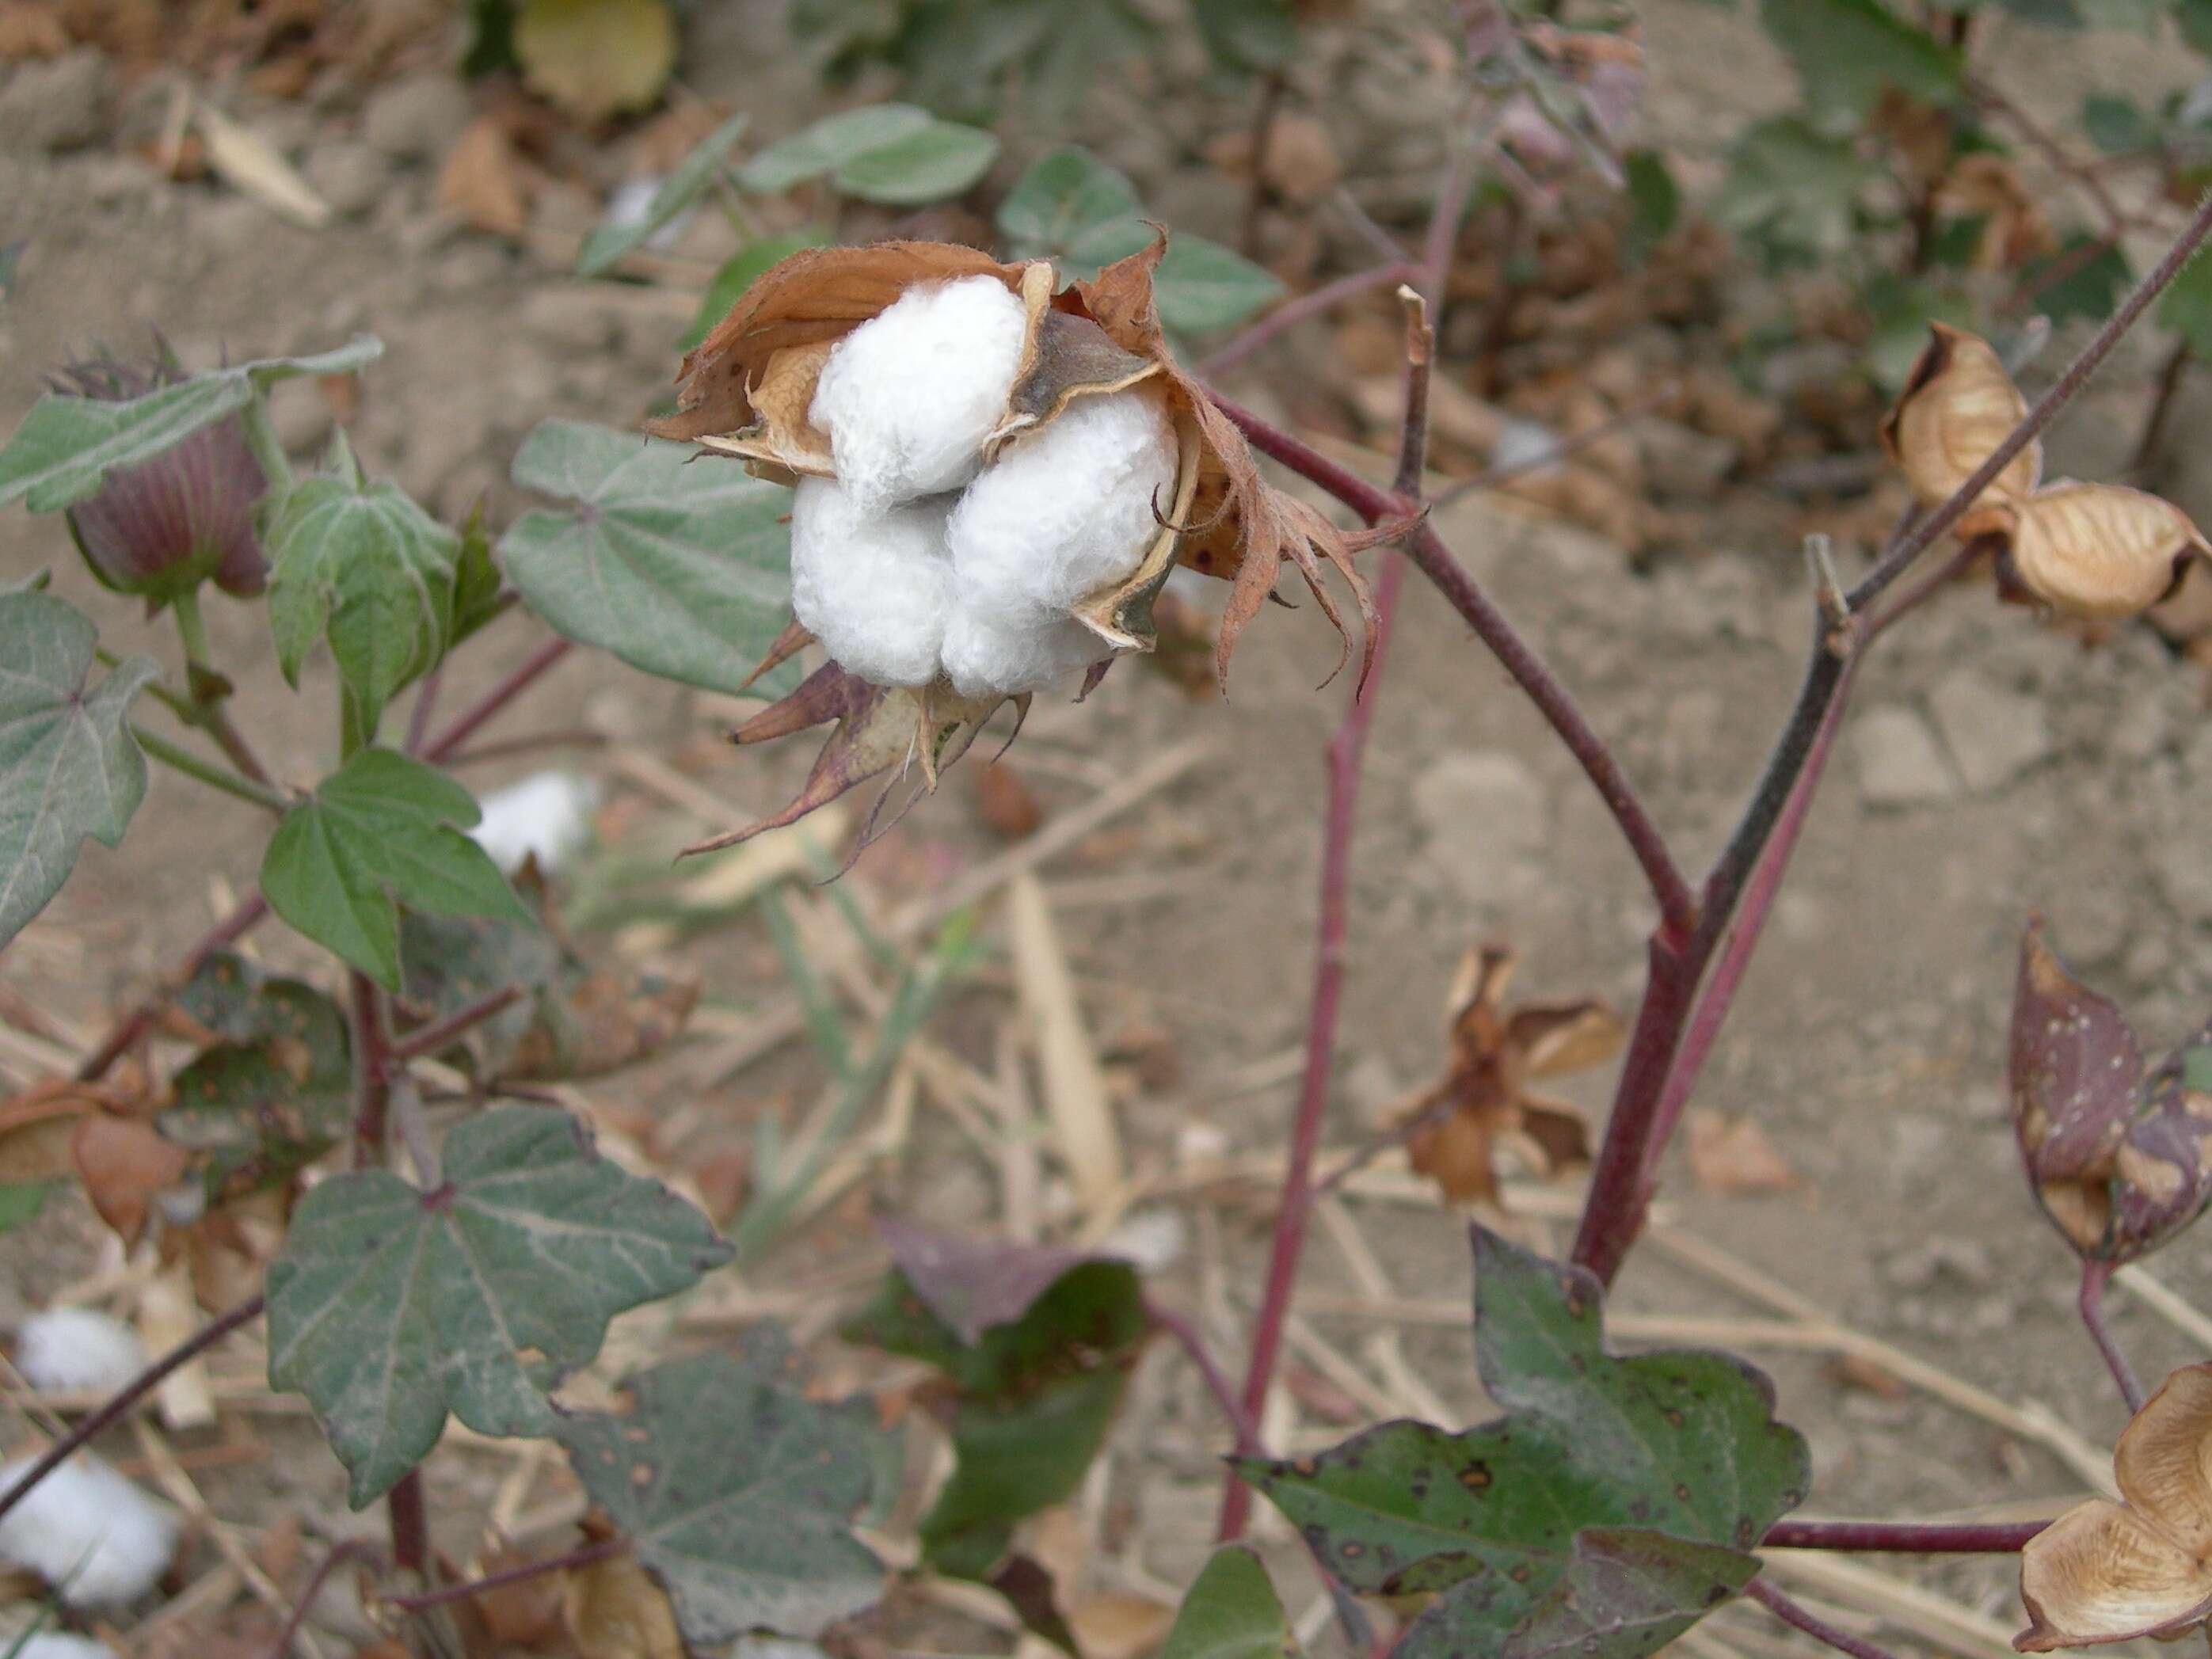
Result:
{"points": [[1904, 1537], [373, 1067], [349, 1549], [1291, 312], [129, 1395], [1790, 1613], [2095, 1275], [418, 717], [234, 783], [136, 1023], [1186, 1335], [2161, 407], [582, 1556], [503, 692], [431, 1038]]}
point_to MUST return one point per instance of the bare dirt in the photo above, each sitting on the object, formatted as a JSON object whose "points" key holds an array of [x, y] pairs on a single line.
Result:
{"points": [[1990, 768]]}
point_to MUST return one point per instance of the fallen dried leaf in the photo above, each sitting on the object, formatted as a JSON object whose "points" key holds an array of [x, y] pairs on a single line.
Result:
{"points": [[482, 181], [249, 163], [125, 1165], [596, 58], [1731, 1156]]}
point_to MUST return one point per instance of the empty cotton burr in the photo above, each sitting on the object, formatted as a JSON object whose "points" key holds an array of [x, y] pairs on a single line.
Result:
{"points": [[908, 398]]}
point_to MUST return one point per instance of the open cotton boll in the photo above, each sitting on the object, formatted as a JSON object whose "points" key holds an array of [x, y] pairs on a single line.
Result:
{"points": [[1067, 509], [875, 590], [983, 655], [98, 1539], [71, 1350], [909, 396], [547, 813]]}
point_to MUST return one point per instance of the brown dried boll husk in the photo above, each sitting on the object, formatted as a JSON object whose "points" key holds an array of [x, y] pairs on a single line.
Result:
{"points": [[1958, 405], [2100, 550]]}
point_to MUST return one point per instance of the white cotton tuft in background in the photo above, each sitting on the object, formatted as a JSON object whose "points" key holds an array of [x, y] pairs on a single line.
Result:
{"points": [[1065, 509], [55, 1645], [77, 1350], [547, 813], [98, 1539], [909, 396], [875, 590], [982, 656]]}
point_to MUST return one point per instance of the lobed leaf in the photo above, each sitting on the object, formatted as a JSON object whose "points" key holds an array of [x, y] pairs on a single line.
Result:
{"points": [[380, 831], [68, 766], [938, 162], [1033, 1391], [737, 1492], [67, 444], [390, 1306], [681, 571], [1678, 1442], [1064, 193], [366, 567]]}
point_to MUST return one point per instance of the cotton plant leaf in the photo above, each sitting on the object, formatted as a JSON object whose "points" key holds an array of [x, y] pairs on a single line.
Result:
{"points": [[686, 182], [390, 1306], [363, 566], [1064, 193], [831, 143], [1230, 1612], [68, 444], [1849, 53], [68, 766], [381, 831], [1037, 1347], [940, 161], [1681, 1443], [737, 1492], [681, 571]]}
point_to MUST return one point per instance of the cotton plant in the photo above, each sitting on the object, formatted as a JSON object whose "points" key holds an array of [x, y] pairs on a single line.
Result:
{"points": [[993, 477]]}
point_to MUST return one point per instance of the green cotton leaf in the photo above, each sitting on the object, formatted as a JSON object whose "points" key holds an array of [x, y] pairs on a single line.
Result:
{"points": [[2117, 126], [1064, 193], [68, 766], [67, 445], [685, 183], [933, 165], [389, 1306], [276, 1093], [1230, 1612], [1849, 53], [1655, 201], [1199, 286], [830, 143], [739, 272], [1901, 310], [22, 1201], [1679, 1441], [1793, 190], [1626, 1593], [2194, 19], [1038, 1345], [2076, 282], [1247, 34], [370, 571], [476, 582], [737, 1491], [382, 830], [681, 569], [2186, 306]]}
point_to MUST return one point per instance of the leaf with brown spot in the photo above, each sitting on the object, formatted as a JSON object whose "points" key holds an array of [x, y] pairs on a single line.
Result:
{"points": [[2110, 1572], [1958, 405]]}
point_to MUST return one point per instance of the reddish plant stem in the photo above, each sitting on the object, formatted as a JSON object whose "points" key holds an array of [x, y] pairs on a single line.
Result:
{"points": [[1904, 1537], [1188, 1337], [2161, 409], [1273, 86], [136, 1023], [409, 1518], [582, 1556], [418, 717], [1894, 562], [129, 1395], [2095, 1275], [431, 1038], [372, 1071], [217, 722], [504, 690], [350, 1549], [1811, 1623], [1291, 312]]}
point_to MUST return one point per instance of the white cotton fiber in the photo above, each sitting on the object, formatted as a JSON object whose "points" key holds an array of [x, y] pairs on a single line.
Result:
{"points": [[56, 1645], [1065, 510], [982, 655], [909, 396], [95, 1537], [874, 589], [547, 813], [76, 1350]]}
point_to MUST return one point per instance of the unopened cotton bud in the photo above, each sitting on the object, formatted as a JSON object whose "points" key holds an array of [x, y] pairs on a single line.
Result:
{"points": [[96, 1537], [875, 590], [983, 657], [77, 1350], [910, 397], [1065, 510]]}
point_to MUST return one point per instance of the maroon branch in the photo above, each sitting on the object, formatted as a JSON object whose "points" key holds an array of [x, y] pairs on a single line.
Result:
{"points": [[1904, 1537], [351, 1549], [582, 1556], [1186, 1336], [2095, 1275], [1811, 1623], [431, 1038]]}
